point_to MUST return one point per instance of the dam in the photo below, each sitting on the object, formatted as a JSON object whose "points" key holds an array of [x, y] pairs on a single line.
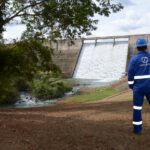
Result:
{"points": [[104, 60], [100, 58]]}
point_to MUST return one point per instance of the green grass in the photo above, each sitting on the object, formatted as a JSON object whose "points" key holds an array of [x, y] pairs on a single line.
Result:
{"points": [[87, 95]]}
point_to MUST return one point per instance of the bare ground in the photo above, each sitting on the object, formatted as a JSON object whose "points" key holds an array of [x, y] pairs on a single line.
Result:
{"points": [[105, 125]]}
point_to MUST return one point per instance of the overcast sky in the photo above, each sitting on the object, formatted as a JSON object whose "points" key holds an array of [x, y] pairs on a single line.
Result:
{"points": [[133, 19]]}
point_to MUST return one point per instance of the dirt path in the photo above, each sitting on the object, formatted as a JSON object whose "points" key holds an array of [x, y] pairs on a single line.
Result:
{"points": [[94, 126]]}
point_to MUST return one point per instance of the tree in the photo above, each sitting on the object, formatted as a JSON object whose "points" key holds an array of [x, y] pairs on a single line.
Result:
{"points": [[55, 18], [21, 61]]}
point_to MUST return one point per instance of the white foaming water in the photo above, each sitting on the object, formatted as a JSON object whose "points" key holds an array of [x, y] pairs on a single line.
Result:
{"points": [[27, 101], [105, 61]]}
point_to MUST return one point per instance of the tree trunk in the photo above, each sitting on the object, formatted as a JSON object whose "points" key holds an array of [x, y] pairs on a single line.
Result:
{"points": [[2, 8]]}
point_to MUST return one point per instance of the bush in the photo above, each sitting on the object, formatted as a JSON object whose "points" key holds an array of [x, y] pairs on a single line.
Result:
{"points": [[20, 63], [9, 95], [46, 89]]}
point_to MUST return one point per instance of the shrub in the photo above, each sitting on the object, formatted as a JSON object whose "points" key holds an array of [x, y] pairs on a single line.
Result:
{"points": [[45, 89], [20, 63], [9, 95]]}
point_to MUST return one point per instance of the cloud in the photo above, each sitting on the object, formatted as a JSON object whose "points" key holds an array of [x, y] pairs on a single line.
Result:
{"points": [[126, 2], [133, 19], [14, 31]]}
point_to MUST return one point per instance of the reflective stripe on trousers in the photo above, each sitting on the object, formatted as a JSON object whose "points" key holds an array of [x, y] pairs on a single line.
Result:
{"points": [[137, 111]]}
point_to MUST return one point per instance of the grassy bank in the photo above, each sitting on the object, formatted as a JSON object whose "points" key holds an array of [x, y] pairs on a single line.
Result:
{"points": [[87, 95]]}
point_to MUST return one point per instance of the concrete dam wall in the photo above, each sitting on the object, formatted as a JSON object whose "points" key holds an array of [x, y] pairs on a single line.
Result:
{"points": [[68, 56]]}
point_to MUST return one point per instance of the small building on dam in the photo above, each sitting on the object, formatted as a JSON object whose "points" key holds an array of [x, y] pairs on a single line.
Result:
{"points": [[100, 58]]}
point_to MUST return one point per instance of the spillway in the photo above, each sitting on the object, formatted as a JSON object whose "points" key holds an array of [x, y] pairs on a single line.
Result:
{"points": [[104, 60]]}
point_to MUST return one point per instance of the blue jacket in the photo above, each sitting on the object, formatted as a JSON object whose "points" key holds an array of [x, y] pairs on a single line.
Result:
{"points": [[139, 72]]}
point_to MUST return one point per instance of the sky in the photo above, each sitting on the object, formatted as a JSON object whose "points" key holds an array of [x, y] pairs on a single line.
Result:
{"points": [[133, 19]]}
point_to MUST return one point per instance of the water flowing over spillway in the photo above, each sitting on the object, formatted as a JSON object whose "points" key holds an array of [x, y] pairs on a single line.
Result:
{"points": [[104, 60]]}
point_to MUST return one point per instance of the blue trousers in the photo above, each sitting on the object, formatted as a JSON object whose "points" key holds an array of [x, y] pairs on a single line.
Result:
{"points": [[138, 99]]}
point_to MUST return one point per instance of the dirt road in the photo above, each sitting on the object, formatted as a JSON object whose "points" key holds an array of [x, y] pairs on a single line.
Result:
{"points": [[106, 125]]}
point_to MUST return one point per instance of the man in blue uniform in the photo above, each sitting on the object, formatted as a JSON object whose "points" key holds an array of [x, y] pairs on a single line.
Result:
{"points": [[139, 81]]}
